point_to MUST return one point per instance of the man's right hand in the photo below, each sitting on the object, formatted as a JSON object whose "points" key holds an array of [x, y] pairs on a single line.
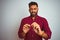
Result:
{"points": [[26, 28]]}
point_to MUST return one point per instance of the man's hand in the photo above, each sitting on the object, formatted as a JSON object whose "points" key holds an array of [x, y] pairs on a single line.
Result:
{"points": [[26, 28], [36, 28]]}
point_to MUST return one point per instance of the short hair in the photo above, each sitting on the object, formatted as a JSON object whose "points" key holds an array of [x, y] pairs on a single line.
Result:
{"points": [[33, 3]]}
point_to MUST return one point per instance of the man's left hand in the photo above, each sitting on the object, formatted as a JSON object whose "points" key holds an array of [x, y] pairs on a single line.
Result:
{"points": [[37, 28]]}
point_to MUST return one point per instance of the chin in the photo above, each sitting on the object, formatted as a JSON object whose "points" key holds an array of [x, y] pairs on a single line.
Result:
{"points": [[33, 15]]}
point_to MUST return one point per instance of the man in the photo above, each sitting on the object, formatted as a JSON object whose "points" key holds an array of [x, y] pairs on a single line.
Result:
{"points": [[34, 27]]}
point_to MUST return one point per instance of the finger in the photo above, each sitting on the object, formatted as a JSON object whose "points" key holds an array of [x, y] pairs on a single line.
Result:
{"points": [[33, 25], [28, 26], [25, 26], [37, 29]]}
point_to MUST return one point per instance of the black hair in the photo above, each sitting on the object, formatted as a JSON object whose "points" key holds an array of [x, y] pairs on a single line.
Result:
{"points": [[33, 3]]}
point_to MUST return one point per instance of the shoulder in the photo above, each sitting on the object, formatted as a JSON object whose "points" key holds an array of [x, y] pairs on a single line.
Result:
{"points": [[42, 18], [25, 18]]}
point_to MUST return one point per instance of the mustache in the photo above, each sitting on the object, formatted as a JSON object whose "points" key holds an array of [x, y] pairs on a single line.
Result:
{"points": [[33, 12]]}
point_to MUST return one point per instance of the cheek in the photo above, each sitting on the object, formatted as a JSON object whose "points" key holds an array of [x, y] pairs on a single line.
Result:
{"points": [[30, 10], [37, 10]]}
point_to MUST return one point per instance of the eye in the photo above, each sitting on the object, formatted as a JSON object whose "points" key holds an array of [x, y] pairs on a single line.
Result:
{"points": [[35, 8]]}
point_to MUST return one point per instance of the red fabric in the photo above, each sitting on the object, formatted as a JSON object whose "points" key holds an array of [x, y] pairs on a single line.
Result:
{"points": [[31, 35]]}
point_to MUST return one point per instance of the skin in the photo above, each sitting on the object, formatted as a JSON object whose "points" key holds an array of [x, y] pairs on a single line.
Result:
{"points": [[33, 9]]}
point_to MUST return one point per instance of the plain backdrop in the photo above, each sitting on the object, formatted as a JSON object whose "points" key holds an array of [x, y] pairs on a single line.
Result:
{"points": [[14, 10]]}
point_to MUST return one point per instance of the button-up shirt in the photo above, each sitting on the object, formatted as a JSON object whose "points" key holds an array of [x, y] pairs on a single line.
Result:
{"points": [[31, 35]]}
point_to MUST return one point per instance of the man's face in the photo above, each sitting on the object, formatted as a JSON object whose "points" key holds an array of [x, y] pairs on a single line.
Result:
{"points": [[33, 9]]}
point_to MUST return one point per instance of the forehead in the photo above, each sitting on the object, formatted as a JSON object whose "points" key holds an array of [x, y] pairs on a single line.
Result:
{"points": [[33, 6]]}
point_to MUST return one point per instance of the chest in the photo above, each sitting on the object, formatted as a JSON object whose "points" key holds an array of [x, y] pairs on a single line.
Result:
{"points": [[39, 21]]}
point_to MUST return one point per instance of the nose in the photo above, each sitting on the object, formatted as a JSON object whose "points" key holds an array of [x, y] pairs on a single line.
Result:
{"points": [[33, 10]]}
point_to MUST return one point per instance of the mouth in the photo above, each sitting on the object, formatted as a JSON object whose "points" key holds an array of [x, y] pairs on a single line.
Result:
{"points": [[33, 13]]}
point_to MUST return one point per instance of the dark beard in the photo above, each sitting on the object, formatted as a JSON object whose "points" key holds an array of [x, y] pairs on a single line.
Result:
{"points": [[33, 15]]}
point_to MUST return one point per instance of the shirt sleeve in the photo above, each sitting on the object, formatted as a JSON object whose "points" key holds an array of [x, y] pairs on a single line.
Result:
{"points": [[46, 28], [20, 29]]}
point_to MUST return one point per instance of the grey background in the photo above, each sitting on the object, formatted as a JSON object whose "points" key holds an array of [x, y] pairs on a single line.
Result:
{"points": [[14, 10]]}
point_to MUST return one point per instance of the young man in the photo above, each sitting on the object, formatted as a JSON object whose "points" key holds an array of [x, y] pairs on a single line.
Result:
{"points": [[34, 27]]}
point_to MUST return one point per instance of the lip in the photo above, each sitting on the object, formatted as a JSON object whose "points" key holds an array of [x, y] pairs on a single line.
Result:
{"points": [[33, 13]]}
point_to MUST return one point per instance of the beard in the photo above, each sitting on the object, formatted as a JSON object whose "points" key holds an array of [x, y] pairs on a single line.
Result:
{"points": [[33, 14]]}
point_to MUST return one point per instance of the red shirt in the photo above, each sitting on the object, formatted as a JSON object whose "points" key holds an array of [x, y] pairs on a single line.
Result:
{"points": [[31, 35]]}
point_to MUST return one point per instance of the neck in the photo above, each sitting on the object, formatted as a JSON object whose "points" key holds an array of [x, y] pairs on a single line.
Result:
{"points": [[33, 17]]}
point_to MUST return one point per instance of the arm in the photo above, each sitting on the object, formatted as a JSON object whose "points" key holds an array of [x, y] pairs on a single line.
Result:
{"points": [[47, 32], [43, 34], [38, 30], [23, 30], [20, 31]]}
